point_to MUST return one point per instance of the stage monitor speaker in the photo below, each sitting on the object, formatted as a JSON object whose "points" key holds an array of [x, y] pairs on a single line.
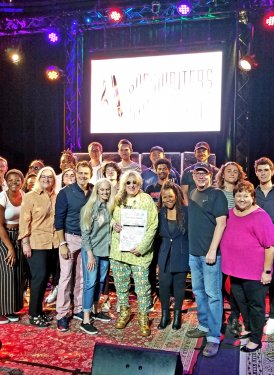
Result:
{"points": [[110, 359]]}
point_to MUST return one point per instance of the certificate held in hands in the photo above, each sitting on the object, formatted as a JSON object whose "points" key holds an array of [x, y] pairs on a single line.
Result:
{"points": [[134, 223]]}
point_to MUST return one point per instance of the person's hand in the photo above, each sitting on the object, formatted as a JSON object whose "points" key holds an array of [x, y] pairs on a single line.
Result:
{"points": [[135, 252], [11, 257], [91, 261], [210, 257], [266, 278], [64, 251], [27, 250], [117, 227]]}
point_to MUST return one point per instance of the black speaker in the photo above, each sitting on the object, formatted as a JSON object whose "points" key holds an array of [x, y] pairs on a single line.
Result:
{"points": [[110, 359]]}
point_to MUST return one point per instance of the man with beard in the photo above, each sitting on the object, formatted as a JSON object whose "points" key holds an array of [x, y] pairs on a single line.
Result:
{"points": [[264, 170], [162, 167], [207, 213]]}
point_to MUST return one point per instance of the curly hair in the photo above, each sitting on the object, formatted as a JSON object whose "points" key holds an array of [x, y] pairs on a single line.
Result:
{"points": [[219, 178], [245, 186], [114, 166], [178, 204], [121, 196]]}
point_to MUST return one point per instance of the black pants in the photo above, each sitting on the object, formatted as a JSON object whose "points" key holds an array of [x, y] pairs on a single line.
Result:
{"points": [[39, 264], [250, 297], [235, 311], [271, 297], [172, 283]]}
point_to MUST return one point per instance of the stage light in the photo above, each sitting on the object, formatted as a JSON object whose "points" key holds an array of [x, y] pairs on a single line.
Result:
{"points": [[53, 37], [269, 21], [115, 15], [155, 7], [53, 73], [14, 55], [248, 63], [184, 8]]}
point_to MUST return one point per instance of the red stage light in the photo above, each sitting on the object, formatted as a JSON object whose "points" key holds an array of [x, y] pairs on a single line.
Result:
{"points": [[269, 21], [115, 15]]}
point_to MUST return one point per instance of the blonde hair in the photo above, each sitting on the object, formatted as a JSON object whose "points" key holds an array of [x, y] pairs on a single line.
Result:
{"points": [[121, 196], [37, 185], [88, 208]]}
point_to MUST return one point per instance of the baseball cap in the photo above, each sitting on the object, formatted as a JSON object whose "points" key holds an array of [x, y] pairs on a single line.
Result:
{"points": [[156, 148], [202, 144], [203, 166]]}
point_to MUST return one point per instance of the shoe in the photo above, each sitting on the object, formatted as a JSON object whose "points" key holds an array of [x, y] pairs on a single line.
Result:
{"points": [[52, 296], [177, 320], [195, 333], [88, 328], [102, 317], [62, 324], [4, 319], [245, 349], [79, 315], [12, 317], [234, 327], [211, 349], [106, 306], [123, 318], [38, 321], [269, 327], [165, 319], [143, 321], [47, 318]]}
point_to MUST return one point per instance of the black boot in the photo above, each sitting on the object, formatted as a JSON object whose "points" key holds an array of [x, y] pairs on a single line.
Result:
{"points": [[177, 320], [165, 319]]}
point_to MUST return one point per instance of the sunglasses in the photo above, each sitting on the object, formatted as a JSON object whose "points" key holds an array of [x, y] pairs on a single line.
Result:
{"points": [[131, 182], [34, 167]]}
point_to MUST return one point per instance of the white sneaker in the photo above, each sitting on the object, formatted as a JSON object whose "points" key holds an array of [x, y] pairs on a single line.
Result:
{"points": [[269, 327], [106, 306], [52, 296]]}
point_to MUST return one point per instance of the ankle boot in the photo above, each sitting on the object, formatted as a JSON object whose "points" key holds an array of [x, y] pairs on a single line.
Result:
{"points": [[123, 318], [177, 320], [143, 321], [164, 319]]}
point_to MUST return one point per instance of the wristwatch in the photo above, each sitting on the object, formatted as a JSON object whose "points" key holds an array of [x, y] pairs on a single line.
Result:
{"points": [[268, 272]]}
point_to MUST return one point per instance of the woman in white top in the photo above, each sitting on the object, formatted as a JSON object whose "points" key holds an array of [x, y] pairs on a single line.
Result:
{"points": [[11, 258]]}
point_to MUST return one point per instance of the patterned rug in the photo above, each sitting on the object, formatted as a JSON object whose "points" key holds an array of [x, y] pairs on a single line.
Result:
{"points": [[260, 362], [46, 351]]}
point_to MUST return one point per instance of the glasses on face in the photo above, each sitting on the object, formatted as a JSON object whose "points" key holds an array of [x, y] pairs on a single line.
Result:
{"points": [[34, 167], [131, 182], [94, 150], [200, 174], [47, 177]]}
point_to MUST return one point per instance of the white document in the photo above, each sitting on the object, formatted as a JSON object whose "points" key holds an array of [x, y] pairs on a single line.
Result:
{"points": [[134, 223]]}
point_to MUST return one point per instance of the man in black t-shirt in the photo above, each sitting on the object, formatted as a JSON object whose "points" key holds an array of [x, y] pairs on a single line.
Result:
{"points": [[207, 213], [163, 168]]}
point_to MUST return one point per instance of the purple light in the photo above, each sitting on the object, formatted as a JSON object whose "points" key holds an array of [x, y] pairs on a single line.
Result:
{"points": [[53, 37], [184, 8]]}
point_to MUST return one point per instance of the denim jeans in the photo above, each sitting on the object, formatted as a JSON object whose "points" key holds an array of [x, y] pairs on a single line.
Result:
{"points": [[93, 280], [207, 288]]}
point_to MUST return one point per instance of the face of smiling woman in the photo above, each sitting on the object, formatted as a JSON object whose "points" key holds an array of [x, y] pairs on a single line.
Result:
{"points": [[243, 200], [132, 187]]}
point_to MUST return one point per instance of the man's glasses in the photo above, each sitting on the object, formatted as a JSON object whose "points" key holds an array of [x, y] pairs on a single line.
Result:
{"points": [[131, 182]]}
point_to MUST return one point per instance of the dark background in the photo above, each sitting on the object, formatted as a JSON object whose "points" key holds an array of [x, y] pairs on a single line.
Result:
{"points": [[32, 109]]}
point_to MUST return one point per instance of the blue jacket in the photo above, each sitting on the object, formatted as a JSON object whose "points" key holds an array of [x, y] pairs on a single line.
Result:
{"points": [[174, 249], [69, 202]]}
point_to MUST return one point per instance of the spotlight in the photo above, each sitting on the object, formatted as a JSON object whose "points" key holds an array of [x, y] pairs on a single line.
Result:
{"points": [[248, 63], [53, 37], [53, 73], [115, 15], [14, 55], [155, 7], [184, 8], [269, 21]]}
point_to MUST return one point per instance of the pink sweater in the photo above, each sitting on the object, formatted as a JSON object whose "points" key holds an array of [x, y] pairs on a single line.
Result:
{"points": [[243, 244]]}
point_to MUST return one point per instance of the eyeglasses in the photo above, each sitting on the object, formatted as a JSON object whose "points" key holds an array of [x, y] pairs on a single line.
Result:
{"points": [[47, 177], [200, 174], [34, 167], [131, 182]]}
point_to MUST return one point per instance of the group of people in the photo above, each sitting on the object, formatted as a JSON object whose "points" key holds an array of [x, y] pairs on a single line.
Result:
{"points": [[95, 217]]}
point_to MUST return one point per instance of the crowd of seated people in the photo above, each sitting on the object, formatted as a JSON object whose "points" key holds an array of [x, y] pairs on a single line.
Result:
{"points": [[74, 227]]}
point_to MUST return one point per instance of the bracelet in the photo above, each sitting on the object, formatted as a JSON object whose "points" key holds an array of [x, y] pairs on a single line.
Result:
{"points": [[63, 243]]}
